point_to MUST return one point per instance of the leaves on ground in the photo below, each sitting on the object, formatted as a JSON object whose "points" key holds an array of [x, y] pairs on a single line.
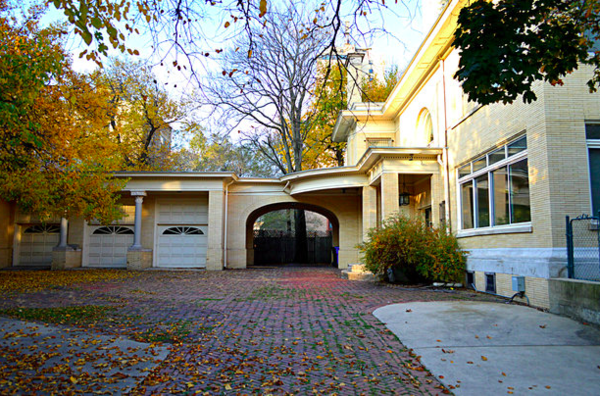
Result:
{"points": [[252, 332], [33, 281]]}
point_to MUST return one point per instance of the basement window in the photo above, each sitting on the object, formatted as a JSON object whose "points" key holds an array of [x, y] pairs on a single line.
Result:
{"points": [[470, 279], [490, 282]]}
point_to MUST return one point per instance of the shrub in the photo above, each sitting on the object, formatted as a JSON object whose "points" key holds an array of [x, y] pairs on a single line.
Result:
{"points": [[415, 250]]}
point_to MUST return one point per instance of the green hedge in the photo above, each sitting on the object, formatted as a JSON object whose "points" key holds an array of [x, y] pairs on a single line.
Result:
{"points": [[419, 252]]}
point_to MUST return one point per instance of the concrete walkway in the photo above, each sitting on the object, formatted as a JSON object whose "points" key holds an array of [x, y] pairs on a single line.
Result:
{"points": [[35, 358], [478, 348]]}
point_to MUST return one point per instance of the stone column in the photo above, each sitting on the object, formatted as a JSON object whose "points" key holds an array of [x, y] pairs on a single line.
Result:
{"points": [[64, 226], [137, 228], [369, 209], [138, 258], [389, 194]]}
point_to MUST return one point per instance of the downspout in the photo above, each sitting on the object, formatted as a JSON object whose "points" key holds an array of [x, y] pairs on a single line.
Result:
{"points": [[225, 228], [445, 152]]}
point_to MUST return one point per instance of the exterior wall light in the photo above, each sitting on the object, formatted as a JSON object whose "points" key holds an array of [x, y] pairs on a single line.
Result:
{"points": [[404, 198]]}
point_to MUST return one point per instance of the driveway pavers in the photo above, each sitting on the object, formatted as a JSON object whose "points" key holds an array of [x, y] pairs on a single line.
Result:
{"points": [[255, 331]]}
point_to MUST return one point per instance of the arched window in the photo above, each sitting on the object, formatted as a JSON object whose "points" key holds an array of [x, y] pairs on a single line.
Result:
{"points": [[183, 231], [42, 228], [113, 230], [425, 125]]}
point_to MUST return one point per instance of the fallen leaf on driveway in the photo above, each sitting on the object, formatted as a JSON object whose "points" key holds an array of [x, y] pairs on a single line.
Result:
{"points": [[119, 375]]}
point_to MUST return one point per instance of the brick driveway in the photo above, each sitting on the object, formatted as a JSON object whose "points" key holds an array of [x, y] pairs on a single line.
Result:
{"points": [[256, 331]]}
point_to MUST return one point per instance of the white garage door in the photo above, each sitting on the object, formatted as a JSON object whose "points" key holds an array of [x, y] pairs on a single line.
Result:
{"points": [[108, 246], [183, 212], [36, 243], [182, 246]]}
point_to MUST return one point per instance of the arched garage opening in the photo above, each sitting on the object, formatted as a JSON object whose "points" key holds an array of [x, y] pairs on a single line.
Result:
{"points": [[267, 247]]}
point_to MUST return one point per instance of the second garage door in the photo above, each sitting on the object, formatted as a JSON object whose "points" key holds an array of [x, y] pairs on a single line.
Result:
{"points": [[182, 233], [182, 246]]}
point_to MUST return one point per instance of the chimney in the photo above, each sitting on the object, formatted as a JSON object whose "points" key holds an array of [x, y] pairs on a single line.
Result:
{"points": [[354, 61]]}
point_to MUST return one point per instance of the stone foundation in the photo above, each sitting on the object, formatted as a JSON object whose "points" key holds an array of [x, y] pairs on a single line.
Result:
{"points": [[66, 258], [139, 259]]}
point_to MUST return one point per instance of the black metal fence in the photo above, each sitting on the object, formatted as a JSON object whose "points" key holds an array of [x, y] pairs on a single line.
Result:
{"points": [[583, 247], [279, 247]]}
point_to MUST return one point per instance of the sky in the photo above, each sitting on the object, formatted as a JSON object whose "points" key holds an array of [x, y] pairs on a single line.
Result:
{"points": [[393, 32]]}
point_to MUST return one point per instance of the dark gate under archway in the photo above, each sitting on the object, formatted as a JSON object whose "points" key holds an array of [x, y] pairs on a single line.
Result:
{"points": [[273, 247], [279, 247]]}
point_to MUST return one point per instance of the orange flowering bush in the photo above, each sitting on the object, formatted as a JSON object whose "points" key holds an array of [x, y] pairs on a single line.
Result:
{"points": [[414, 250]]}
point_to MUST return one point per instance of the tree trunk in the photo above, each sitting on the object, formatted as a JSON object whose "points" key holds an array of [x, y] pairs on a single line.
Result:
{"points": [[301, 256]]}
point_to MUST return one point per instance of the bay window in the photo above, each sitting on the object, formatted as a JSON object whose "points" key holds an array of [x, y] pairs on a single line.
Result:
{"points": [[494, 188]]}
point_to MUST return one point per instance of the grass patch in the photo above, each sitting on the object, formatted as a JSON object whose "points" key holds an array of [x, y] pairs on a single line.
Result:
{"points": [[273, 292], [33, 281], [170, 333], [60, 315]]}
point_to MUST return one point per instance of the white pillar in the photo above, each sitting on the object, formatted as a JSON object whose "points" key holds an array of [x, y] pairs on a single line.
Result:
{"points": [[64, 226], [137, 228]]}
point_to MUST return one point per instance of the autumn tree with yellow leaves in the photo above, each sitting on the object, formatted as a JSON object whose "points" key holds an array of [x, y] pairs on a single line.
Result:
{"points": [[55, 154], [376, 90], [142, 114]]}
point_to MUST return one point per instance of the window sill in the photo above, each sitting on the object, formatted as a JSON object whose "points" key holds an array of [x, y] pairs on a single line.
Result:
{"points": [[508, 229]]}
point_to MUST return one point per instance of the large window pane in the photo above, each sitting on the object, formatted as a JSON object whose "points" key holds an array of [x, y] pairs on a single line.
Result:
{"points": [[466, 197], [519, 190], [595, 179], [483, 201], [517, 146], [501, 200]]}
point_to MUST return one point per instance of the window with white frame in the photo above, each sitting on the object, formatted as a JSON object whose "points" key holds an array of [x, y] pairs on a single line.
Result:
{"points": [[494, 188], [380, 142], [592, 135]]}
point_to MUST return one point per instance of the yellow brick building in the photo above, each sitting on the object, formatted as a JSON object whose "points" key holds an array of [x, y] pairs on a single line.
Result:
{"points": [[502, 176]]}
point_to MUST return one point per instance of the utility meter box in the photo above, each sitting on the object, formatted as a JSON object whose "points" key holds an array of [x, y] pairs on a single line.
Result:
{"points": [[518, 283]]}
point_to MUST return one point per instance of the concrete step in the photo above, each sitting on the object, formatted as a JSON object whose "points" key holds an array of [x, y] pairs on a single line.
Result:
{"points": [[357, 268], [358, 276]]}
